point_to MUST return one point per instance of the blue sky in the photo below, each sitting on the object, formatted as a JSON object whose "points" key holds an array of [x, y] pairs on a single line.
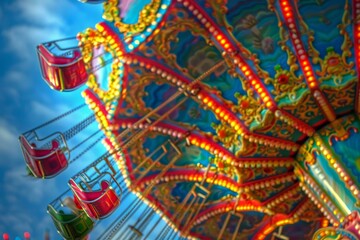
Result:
{"points": [[26, 101]]}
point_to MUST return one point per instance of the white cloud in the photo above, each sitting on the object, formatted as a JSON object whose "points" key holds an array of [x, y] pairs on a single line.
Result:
{"points": [[25, 188], [47, 110], [44, 10], [9, 146], [23, 39], [15, 78], [23, 201], [30, 193]]}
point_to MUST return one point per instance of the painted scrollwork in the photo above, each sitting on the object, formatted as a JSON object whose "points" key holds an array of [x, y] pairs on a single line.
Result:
{"points": [[286, 83], [136, 91], [94, 48], [146, 16], [305, 109], [163, 40], [335, 66], [253, 112], [249, 107], [226, 169], [226, 135]]}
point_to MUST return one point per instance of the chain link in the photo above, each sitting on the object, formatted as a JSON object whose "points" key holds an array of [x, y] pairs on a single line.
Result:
{"points": [[86, 149], [68, 134], [56, 118]]}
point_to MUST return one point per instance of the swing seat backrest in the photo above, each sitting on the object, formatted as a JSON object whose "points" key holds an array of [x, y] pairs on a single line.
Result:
{"points": [[44, 163], [52, 59], [99, 203], [71, 226], [62, 73], [92, 1]]}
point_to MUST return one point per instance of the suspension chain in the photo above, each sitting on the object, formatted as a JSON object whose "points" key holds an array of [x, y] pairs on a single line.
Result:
{"points": [[117, 227], [68, 134], [86, 149], [56, 118]]}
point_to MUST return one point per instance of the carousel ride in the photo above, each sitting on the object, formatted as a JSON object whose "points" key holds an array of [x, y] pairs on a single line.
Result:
{"points": [[227, 119]]}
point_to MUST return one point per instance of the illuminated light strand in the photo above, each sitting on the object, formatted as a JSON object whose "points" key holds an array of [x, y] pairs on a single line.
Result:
{"points": [[263, 162], [190, 176], [223, 113], [294, 122], [117, 82], [356, 36], [109, 145], [282, 196], [160, 127], [221, 180], [242, 66], [281, 220], [300, 209], [337, 233], [352, 223], [269, 181], [201, 141], [110, 142], [150, 17], [273, 223], [196, 139], [99, 110], [336, 164], [320, 204], [118, 48], [303, 58], [224, 207]]}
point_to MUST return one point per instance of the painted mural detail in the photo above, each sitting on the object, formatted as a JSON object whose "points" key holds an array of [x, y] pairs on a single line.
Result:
{"points": [[335, 66], [226, 135], [333, 233], [251, 134], [163, 41], [264, 43], [306, 108], [286, 84], [253, 112], [219, 11], [147, 15]]}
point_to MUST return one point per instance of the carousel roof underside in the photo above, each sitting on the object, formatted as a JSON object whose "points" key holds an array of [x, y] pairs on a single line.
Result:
{"points": [[218, 97]]}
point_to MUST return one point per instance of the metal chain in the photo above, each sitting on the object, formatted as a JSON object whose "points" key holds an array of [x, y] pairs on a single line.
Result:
{"points": [[117, 227], [108, 229], [161, 233], [85, 140], [86, 149], [56, 118], [68, 134], [71, 132], [155, 225], [145, 222], [139, 223]]}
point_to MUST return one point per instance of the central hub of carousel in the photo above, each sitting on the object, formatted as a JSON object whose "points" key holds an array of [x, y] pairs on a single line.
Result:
{"points": [[227, 120]]}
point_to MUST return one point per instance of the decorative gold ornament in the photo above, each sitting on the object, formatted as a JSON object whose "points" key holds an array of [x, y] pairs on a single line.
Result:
{"points": [[146, 18]]}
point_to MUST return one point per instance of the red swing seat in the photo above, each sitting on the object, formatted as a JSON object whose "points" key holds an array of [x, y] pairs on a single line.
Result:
{"points": [[43, 163], [62, 73], [97, 204]]}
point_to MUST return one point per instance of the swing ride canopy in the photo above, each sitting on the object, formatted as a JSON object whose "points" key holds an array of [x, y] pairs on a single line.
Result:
{"points": [[236, 119]]}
